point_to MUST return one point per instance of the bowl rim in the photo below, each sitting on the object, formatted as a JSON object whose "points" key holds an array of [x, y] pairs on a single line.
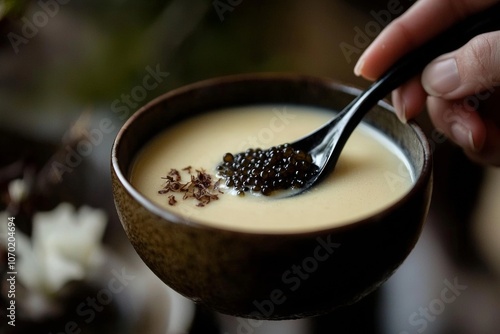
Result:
{"points": [[421, 180]]}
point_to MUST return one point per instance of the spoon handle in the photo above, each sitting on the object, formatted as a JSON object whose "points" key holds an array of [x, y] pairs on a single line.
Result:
{"points": [[334, 134], [451, 39], [407, 67]]}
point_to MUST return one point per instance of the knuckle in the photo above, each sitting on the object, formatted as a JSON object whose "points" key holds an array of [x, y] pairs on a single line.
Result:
{"points": [[480, 54]]}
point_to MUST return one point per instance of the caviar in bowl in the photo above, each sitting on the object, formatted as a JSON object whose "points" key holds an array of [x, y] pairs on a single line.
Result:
{"points": [[263, 272]]}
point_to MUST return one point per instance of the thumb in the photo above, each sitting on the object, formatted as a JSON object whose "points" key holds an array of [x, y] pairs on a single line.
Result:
{"points": [[470, 70]]}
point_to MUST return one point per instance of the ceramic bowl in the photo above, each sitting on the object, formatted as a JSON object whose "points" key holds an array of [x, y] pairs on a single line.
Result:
{"points": [[251, 274]]}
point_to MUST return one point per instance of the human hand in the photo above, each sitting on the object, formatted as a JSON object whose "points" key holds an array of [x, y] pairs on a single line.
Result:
{"points": [[461, 88]]}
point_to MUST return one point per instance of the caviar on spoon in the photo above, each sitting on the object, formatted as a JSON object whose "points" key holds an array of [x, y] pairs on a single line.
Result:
{"points": [[316, 154], [265, 171]]}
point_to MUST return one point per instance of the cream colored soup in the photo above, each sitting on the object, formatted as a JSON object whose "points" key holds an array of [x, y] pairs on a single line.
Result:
{"points": [[371, 173]]}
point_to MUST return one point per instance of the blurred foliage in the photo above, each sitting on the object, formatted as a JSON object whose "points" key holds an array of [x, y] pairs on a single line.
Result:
{"points": [[186, 38], [248, 40], [11, 7], [92, 52]]}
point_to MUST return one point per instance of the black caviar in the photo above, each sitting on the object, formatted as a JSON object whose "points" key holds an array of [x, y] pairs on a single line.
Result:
{"points": [[264, 171]]}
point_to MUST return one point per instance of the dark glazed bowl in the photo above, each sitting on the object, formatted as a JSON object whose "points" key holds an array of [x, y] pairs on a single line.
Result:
{"points": [[266, 275]]}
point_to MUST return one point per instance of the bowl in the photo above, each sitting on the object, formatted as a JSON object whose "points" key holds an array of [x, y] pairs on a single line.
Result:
{"points": [[253, 274]]}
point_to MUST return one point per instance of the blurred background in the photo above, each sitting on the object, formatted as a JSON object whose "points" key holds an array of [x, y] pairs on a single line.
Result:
{"points": [[72, 72]]}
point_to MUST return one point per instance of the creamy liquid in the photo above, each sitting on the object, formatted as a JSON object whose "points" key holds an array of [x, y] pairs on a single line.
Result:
{"points": [[371, 173]]}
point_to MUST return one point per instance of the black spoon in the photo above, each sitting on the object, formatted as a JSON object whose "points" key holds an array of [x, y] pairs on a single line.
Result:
{"points": [[325, 144]]}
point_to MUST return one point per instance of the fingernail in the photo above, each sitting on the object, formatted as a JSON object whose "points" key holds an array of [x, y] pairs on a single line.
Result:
{"points": [[359, 66], [399, 105], [463, 136], [441, 77]]}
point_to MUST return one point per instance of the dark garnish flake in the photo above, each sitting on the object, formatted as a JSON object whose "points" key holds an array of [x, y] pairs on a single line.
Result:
{"points": [[201, 186]]}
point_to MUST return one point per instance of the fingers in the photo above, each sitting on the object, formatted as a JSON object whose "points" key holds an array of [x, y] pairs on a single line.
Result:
{"points": [[470, 70], [464, 102], [459, 122], [477, 132], [422, 21], [409, 99], [462, 88]]}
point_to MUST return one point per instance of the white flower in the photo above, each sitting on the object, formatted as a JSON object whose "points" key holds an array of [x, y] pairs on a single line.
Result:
{"points": [[65, 246], [18, 190]]}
